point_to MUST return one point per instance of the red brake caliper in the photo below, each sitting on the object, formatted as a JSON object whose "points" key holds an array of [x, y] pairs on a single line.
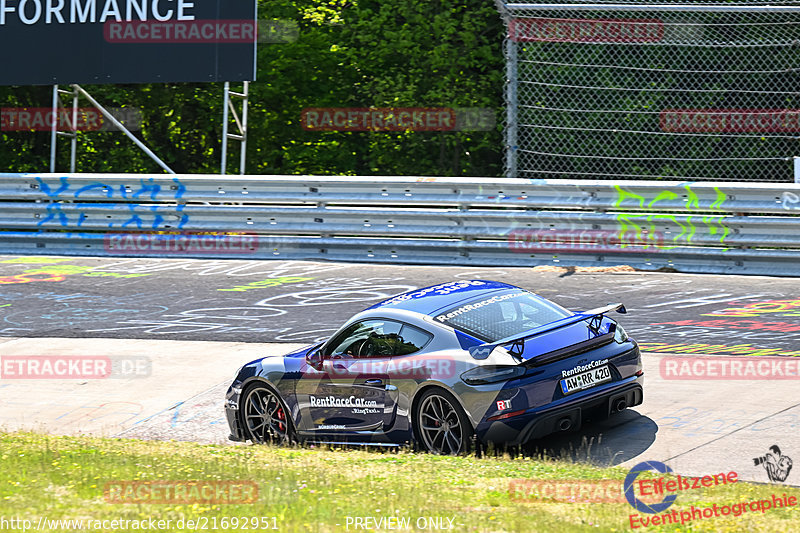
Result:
{"points": [[281, 416]]}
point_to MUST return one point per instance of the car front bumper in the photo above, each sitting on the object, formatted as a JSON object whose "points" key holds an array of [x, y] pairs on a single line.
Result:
{"points": [[232, 414]]}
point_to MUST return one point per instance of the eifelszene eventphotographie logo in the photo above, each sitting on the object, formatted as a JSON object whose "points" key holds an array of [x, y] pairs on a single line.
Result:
{"points": [[630, 494]]}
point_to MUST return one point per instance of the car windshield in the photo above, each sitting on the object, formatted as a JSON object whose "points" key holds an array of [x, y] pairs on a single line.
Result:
{"points": [[502, 315]]}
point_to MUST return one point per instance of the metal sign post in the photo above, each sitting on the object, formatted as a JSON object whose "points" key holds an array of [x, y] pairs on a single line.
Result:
{"points": [[71, 133], [241, 125], [77, 91]]}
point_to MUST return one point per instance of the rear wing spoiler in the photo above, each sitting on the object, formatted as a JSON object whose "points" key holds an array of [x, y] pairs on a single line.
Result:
{"points": [[594, 316]]}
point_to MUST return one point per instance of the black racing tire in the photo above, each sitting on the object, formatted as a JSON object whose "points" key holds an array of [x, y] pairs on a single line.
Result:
{"points": [[264, 416], [440, 425]]}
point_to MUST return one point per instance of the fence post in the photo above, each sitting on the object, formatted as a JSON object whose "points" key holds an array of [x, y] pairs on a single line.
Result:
{"points": [[511, 108], [797, 169]]}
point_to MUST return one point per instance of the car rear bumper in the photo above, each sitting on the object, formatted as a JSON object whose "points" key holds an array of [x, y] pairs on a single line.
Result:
{"points": [[542, 421]]}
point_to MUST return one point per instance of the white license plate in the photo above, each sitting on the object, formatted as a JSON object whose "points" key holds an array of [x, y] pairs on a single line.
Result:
{"points": [[586, 380]]}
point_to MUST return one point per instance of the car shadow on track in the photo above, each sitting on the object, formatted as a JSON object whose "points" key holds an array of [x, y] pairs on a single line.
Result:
{"points": [[610, 442]]}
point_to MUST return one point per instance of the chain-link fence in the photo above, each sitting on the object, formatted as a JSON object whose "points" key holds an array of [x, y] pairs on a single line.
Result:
{"points": [[627, 90]]}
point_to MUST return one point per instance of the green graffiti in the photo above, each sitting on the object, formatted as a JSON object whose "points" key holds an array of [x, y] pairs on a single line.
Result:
{"points": [[65, 270], [692, 201], [720, 199], [622, 194], [272, 282], [29, 260], [100, 274], [59, 270], [625, 219], [663, 195], [633, 224]]}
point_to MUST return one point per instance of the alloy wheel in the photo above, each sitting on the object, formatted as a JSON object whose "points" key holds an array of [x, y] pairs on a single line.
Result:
{"points": [[265, 417]]}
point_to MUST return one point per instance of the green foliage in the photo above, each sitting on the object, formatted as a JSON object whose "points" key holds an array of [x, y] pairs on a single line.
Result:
{"points": [[394, 53]]}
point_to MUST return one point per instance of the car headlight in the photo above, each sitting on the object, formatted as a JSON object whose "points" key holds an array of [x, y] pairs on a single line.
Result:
{"points": [[491, 374], [620, 335], [236, 386]]}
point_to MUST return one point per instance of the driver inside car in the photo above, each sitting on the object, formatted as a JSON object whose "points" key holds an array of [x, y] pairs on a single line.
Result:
{"points": [[373, 345]]}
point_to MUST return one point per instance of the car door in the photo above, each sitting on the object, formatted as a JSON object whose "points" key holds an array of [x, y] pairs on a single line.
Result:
{"points": [[351, 391]]}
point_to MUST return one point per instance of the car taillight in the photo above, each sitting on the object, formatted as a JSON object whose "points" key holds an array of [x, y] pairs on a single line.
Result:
{"points": [[505, 415], [483, 375]]}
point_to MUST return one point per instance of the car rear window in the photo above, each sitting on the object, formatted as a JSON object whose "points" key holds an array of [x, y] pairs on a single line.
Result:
{"points": [[502, 315]]}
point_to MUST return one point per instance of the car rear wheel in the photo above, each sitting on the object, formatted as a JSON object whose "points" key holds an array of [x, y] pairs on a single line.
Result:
{"points": [[440, 424], [265, 417]]}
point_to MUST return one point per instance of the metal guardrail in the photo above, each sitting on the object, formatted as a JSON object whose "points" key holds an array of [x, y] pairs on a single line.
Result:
{"points": [[690, 227]]}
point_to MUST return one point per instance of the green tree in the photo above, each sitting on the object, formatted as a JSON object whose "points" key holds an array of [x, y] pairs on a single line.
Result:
{"points": [[395, 53]]}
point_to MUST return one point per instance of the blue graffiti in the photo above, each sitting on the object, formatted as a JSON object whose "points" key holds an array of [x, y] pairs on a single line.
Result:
{"points": [[134, 219], [150, 186], [147, 188], [45, 188], [53, 211], [108, 190], [180, 188], [175, 419]]}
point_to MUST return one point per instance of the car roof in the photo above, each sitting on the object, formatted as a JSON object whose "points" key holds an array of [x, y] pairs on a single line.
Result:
{"points": [[429, 300]]}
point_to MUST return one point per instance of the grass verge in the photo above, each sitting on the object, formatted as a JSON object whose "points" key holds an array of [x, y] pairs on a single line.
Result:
{"points": [[317, 489]]}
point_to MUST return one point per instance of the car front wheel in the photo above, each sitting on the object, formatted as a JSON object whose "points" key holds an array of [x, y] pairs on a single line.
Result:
{"points": [[265, 417]]}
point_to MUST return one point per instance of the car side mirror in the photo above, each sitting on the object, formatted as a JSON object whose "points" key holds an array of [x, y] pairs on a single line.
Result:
{"points": [[314, 359]]}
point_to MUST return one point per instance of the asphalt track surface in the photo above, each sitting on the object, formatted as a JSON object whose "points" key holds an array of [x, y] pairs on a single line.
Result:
{"points": [[293, 301], [203, 318]]}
